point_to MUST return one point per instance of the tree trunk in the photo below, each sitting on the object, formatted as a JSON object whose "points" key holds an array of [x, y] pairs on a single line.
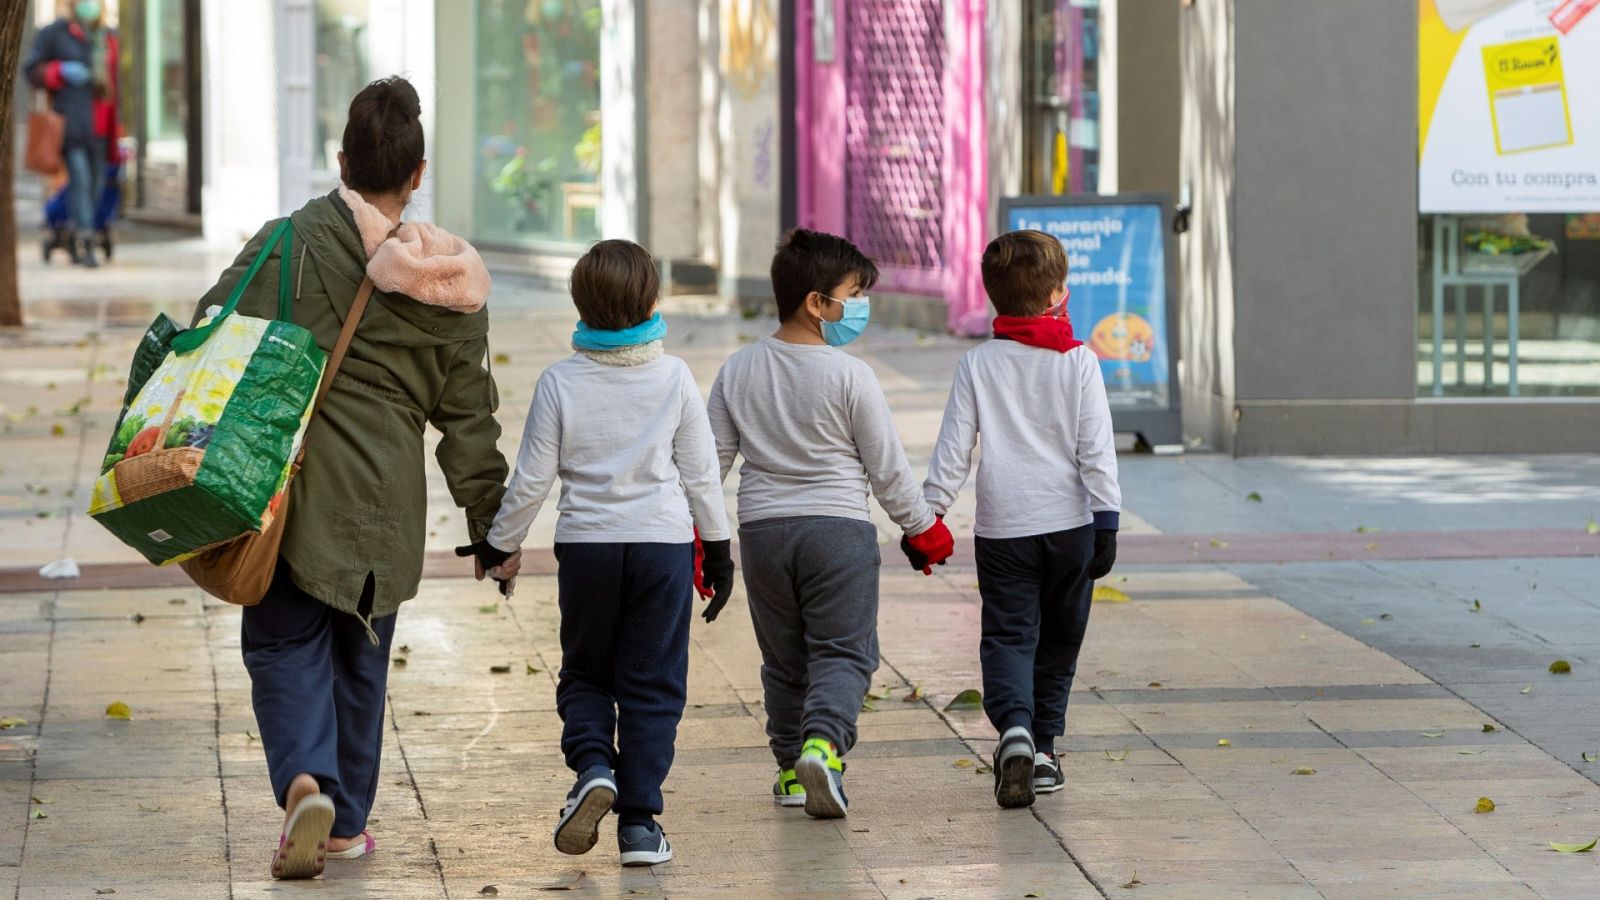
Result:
{"points": [[13, 25]]}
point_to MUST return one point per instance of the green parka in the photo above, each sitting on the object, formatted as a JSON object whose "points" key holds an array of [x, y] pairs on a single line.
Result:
{"points": [[359, 504]]}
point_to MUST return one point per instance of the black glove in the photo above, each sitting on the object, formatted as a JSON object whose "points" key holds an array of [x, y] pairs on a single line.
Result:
{"points": [[489, 556], [919, 560], [1105, 553], [716, 573]]}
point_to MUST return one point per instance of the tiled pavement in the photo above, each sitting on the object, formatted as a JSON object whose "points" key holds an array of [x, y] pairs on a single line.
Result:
{"points": [[174, 803]]}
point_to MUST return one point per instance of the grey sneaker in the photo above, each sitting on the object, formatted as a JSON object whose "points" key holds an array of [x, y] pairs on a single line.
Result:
{"points": [[1013, 768], [587, 803], [643, 845], [1047, 775]]}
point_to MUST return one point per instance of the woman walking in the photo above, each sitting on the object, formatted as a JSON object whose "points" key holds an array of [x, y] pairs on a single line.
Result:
{"points": [[75, 60], [317, 647]]}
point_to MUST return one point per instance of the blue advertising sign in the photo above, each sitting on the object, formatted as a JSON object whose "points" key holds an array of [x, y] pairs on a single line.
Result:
{"points": [[1119, 271]]}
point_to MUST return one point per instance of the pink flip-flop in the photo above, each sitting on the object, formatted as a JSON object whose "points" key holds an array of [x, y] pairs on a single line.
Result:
{"points": [[303, 845], [355, 851]]}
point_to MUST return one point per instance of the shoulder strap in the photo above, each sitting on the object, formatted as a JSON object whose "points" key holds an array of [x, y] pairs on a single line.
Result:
{"points": [[340, 348]]}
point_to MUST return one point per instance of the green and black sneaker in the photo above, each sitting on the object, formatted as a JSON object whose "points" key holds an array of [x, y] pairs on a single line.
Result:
{"points": [[821, 775], [787, 790]]}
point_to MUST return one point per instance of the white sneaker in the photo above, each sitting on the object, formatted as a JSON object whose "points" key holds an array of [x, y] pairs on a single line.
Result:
{"points": [[1047, 775], [1013, 768]]}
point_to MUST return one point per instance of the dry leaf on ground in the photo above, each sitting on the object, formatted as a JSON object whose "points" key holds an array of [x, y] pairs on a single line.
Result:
{"points": [[1106, 594], [1573, 848], [1485, 805], [1561, 667], [1306, 770], [119, 710], [967, 699]]}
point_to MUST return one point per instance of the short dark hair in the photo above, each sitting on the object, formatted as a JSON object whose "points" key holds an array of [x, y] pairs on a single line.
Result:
{"points": [[615, 285], [809, 261], [383, 142], [1022, 270]]}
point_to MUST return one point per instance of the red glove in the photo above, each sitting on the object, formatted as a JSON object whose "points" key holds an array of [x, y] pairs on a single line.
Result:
{"points": [[699, 562], [933, 546]]}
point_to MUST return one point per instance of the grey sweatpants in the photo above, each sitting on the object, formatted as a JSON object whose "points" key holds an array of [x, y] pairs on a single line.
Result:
{"points": [[812, 586]]}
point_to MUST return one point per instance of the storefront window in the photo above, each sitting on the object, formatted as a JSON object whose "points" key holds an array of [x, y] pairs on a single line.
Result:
{"points": [[538, 120], [342, 70], [164, 72], [1510, 305], [1061, 83]]}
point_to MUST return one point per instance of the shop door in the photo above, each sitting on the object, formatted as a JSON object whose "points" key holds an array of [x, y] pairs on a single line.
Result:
{"points": [[1060, 83], [323, 60], [161, 104]]}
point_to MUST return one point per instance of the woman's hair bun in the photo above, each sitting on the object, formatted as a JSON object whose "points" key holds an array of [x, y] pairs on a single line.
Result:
{"points": [[383, 140]]}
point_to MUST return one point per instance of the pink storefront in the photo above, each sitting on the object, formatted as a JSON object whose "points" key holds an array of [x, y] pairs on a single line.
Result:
{"points": [[890, 143]]}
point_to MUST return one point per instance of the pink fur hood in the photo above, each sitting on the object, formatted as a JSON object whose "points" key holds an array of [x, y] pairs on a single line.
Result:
{"points": [[419, 259]]}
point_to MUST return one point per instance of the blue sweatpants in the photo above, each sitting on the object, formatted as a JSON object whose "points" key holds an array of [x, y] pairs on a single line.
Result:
{"points": [[1036, 595], [624, 663], [317, 684]]}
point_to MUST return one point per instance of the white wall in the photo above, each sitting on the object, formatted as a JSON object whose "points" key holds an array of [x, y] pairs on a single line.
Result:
{"points": [[239, 96]]}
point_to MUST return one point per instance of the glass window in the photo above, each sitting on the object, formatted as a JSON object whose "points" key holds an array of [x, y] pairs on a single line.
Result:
{"points": [[164, 70], [342, 70], [537, 87], [1510, 305], [1061, 85]]}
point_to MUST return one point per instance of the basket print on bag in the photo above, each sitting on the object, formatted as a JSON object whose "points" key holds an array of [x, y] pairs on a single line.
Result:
{"points": [[203, 451]]}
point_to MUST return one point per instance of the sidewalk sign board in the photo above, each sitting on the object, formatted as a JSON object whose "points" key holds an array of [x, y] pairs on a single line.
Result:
{"points": [[1122, 272]]}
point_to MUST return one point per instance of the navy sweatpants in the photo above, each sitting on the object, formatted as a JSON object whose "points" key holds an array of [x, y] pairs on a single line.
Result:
{"points": [[624, 663], [1036, 595], [317, 684]]}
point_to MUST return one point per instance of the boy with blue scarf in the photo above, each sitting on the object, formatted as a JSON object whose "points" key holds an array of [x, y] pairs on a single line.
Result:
{"points": [[623, 425], [816, 434]]}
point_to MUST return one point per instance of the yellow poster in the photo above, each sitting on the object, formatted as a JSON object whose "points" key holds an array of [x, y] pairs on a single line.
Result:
{"points": [[1508, 105]]}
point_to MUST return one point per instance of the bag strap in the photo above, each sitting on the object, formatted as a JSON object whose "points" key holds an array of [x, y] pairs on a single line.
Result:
{"points": [[340, 348], [191, 340]]}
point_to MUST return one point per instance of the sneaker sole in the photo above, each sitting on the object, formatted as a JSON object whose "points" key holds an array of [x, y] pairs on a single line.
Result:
{"points": [[579, 832], [822, 799], [1049, 787], [792, 801], [634, 858], [1015, 789]]}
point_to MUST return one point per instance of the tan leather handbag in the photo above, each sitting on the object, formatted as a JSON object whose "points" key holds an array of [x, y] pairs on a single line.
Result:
{"points": [[241, 570], [46, 132]]}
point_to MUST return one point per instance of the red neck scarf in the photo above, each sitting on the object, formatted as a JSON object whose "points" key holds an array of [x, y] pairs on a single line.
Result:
{"points": [[1048, 331]]}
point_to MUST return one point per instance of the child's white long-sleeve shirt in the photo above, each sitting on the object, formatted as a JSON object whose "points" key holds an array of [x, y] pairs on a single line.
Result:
{"points": [[634, 452], [1049, 462]]}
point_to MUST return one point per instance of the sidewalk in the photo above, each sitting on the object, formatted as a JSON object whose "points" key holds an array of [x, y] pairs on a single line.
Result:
{"points": [[1358, 669]]}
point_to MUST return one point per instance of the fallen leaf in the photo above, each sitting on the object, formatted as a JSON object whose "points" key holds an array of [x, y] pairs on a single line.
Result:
{"points": [[58, 429], [1304, 771], [119, 710], [914, 696], [1033, 894], [1220, 545], [1485, 805], [500, 670], [250, 736], [176, 601], [1115, 758], [1594, 528], [532, 670], [1253, 497], [1591, 756], [1574, 848], [488, 890], [405, 648], [983, 770], [1367, 529], [489, 608], [1470, 752], [1561, 667], [967, 699], [1475, 645], [866, 705], [1526, 690], [568, 882], [1386, 616], [152, 809], [39, 800], [1433, 734], [1105, 594], [1134, 881], [502, 358], [1477, 606], [964, 763], [400, 662], [105, 890], [1224, 742], [11, 722], [138, 618], [37, 813], [1489, 727], [1154, 684], [1368, 621]]}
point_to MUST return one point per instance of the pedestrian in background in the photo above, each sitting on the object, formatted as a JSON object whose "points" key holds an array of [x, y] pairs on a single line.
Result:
{"points": [[623, 426], [1048, 502], [317, 646], [75, 59]]}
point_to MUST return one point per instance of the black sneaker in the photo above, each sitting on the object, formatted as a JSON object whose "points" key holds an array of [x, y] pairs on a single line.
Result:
{"points": [[587, 803], [1047, 776], [1013, 768], [643, 845]]}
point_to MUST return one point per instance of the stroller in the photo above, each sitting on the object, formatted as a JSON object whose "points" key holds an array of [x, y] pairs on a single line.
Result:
{"points": [[58, 217]]}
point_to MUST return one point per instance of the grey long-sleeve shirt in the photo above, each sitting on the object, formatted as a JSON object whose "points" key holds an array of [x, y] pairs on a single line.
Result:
{"points": [[815, 432]]}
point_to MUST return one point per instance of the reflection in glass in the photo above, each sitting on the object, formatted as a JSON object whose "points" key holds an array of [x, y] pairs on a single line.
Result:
{"points": [[342, 70], [537, 87]]}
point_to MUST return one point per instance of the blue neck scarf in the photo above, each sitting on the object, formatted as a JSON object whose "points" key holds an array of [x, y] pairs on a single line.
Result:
{"points": [[651, 329]]}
